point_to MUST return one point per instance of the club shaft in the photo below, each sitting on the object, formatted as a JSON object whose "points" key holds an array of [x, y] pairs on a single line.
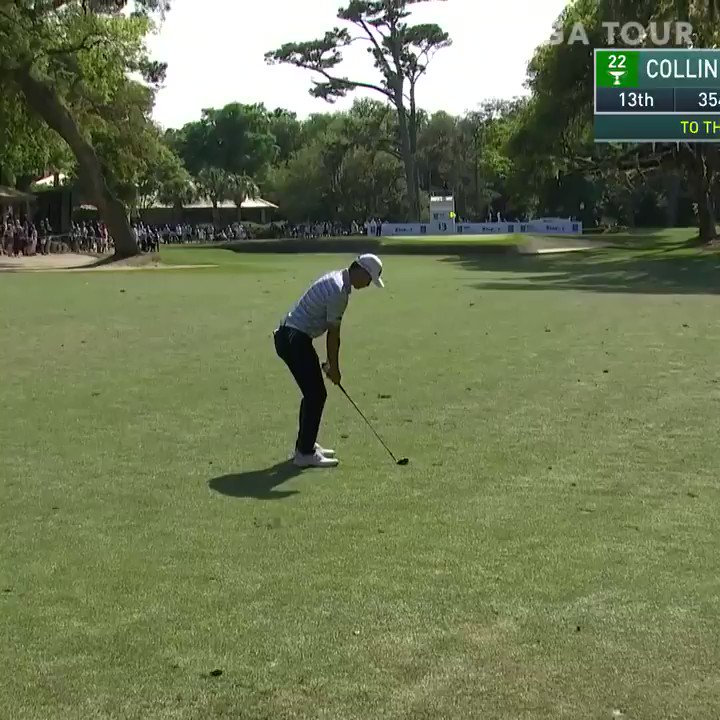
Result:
{"points": [[382, 442]]}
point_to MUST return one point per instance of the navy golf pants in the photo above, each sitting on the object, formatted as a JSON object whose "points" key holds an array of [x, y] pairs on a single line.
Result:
{"points": [[297, 351]]}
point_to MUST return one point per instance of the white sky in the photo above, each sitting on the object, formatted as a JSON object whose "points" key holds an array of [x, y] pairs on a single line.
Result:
{"points": [[215, 49]]}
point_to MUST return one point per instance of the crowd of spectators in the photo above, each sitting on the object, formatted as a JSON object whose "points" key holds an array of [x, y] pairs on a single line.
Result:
{"points": [[22, 236], [150, 237], [323, 229], [90, 237]]}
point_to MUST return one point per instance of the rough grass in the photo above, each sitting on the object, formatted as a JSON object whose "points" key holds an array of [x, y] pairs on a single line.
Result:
{"points": [[550, 552]]}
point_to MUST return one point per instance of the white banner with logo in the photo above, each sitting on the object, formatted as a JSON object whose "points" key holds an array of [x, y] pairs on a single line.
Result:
{"points": [[544, 226], [405, 229]]}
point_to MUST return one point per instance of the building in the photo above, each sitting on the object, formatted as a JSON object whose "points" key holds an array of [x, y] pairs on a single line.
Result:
{"points": [[19, 203], [63, 201]]}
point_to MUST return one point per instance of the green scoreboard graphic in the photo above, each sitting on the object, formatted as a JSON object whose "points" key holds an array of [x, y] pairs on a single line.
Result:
{"points": [[657, 95]]}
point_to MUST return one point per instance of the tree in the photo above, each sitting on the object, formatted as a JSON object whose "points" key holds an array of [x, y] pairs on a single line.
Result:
{"points": [[343, 170], [489, 170], [68, 60], [288, 133], [553, 143], [372, 124], [301, 187], [370, 184], [241, 188], [175, 186], [28, 148], [437, 151], [164, 179], [216, 185], [127, 143], [236, 138], [401, 54], [701, 163]]}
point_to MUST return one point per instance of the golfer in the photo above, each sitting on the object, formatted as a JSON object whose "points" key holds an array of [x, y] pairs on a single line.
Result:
{"points": [[320, 310]]}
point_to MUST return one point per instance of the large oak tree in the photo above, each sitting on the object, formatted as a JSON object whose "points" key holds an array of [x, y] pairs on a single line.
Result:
{"points": [[556, 133], [68, 61]]}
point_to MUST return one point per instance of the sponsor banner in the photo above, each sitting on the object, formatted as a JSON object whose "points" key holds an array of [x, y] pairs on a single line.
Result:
{"points": [[540, 227], [405, 229], [486, 228], [557, 227]]}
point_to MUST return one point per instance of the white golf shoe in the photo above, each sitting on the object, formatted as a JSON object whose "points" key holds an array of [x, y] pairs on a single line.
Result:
{"points": [[327, 452], [317, 459]]}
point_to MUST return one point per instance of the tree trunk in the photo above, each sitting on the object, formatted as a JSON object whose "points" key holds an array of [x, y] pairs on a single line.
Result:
{"points": [[477, 202], [413, 121], [693, 158], [409, 163], [42, 98], [706, 217], [674, 186], [413, 134]]}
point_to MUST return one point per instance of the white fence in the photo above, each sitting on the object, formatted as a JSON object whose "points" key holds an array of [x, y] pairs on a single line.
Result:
{"points": [[542, 226]]}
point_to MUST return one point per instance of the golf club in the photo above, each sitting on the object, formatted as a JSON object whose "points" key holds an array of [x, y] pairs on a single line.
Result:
{"points": [[401, 461]]}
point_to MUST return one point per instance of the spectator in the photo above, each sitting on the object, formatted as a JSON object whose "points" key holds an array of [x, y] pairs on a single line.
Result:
{"points": [[18, 239]]}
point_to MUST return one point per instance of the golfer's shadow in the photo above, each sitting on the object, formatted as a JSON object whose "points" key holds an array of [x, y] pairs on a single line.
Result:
{"points": [[258, 484]]}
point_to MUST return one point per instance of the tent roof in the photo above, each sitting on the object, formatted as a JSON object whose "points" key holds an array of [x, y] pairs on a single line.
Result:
{"points": [[49, 180], [249, 204], [14, 196]]}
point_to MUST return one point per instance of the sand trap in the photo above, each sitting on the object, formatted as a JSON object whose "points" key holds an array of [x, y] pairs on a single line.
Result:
{"points": [[547, 248], [554, 251], [118, 267], [56, 261], [66, 262]]}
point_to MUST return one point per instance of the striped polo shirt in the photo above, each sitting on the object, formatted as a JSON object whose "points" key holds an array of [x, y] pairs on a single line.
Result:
{"points": [[322, 305]]}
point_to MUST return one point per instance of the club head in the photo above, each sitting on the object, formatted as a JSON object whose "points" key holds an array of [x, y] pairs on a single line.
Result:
{"points": [[403, 461]]}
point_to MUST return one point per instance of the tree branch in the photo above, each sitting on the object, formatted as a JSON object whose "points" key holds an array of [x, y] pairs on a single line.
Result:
{"points": [[380, 55], [73, 49], [629, 161], [395, 52], [350, 84]]}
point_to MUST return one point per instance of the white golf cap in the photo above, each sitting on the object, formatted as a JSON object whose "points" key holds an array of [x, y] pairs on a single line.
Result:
{"points": [[373, 265]]}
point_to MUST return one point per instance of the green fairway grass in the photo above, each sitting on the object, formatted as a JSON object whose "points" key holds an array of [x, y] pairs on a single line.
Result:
{"points": [[648, 240], [420, 244], [550, 552]]}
